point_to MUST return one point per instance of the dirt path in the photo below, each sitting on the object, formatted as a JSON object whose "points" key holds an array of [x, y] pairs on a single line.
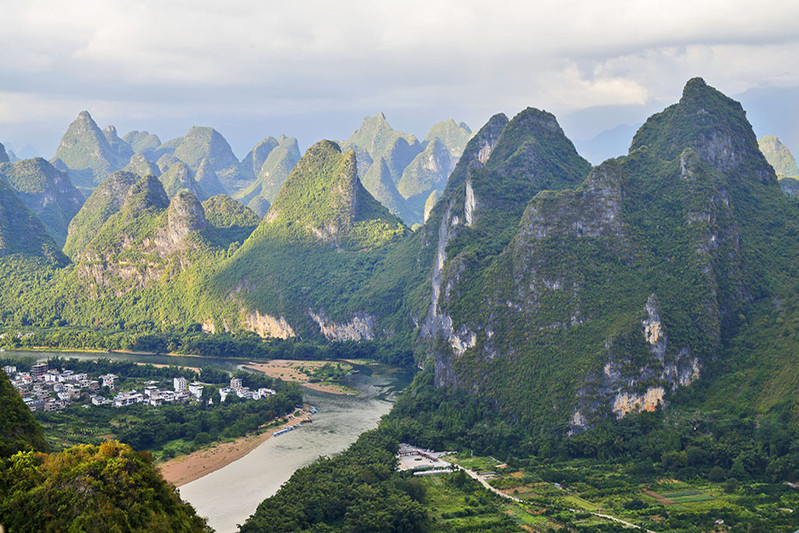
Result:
{"points": [[485, 483]]}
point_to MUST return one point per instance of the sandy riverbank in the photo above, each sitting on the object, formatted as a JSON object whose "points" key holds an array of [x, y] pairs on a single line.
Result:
{"points": [[297, 371], [187, 468]]}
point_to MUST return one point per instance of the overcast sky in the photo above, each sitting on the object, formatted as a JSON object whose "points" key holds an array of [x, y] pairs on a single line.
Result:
{"points": [[313, 69]]}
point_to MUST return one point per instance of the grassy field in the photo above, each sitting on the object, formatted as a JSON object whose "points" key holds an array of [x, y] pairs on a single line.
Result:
{"points": [[568, 497]]}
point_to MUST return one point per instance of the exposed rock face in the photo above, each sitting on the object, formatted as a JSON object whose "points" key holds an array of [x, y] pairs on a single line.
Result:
{"points": [[361, 327], [427, 171], [626, 281], [438, 324], [184, 216], [139, 243], [3, 154], [267, 326]]}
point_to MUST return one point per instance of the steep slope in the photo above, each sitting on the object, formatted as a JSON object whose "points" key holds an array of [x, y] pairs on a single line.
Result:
{"points": [[140, 166], [259, 205], [272, 172], [21, 231], [252, 162], [121, 148], [323, 201], [778, 155], [19, 431], [207, 179], [47, 191], [86, 152], [149, 237], [3, 154], [611, 296], [427, 172], [106, 200], [202, 143], [177, 177], [298, 270], [380, 184], [231, 221], [377, 138], [454, 136], [91, 488]]}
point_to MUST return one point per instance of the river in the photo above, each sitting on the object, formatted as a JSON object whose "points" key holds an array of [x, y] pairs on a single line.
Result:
{"points": [[228, 496]]}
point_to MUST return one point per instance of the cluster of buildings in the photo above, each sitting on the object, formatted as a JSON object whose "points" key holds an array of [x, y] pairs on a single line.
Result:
{"points": [[242, 392], [152, 394], [44, 389]]}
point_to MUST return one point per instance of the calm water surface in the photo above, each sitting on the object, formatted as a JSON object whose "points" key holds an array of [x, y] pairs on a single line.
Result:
{"points": [[230, 495]]}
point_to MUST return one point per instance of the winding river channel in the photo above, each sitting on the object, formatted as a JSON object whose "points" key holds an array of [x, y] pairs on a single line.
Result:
{"points": [[228, 496]]}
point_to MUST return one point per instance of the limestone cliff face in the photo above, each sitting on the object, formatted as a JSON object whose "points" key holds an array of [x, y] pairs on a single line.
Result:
{"points": [[610, 295], [437, 324], [266, 325], [503, 166], [361, 327]]}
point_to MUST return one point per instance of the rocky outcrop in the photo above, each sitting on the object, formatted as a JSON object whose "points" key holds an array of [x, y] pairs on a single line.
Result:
{"points": [[266, 326], [360, 328], [627, 386]]}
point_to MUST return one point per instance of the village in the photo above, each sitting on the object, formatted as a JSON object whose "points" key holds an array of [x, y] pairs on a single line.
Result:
{"points": [[45, 389]]}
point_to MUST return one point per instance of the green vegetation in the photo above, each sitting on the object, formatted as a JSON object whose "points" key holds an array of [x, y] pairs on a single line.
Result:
{"points": [[778, 156], [86, 153], [354, 491], [454, 136], [46, 191], [22, 232], [171, 430], [90, 488], [18, 429], [271, 173]]}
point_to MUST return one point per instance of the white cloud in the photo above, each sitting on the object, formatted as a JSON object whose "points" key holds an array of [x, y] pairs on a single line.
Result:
{"points": [[272, 57]]}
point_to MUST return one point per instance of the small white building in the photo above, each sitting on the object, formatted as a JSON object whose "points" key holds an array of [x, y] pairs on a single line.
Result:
{"points": [[108, 380], [180, 384], [196, 389], [224, 392], [235, 383], [10, 370]]}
